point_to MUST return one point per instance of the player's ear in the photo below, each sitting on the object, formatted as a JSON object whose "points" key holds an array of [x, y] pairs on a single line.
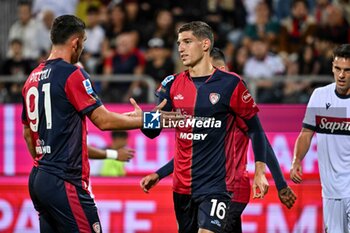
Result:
{"points": [[75, 43], [206, 44]]}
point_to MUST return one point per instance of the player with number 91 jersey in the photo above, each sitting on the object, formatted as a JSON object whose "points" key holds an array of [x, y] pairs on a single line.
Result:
{"points": [[57, 96]]}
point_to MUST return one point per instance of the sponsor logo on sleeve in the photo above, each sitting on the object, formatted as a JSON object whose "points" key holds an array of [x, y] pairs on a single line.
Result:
{"points": [[88, 86], [167, 80], [246, 96]]}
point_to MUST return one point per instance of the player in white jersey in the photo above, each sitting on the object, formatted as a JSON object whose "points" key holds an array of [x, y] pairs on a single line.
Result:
{"points": [[328, 114]]}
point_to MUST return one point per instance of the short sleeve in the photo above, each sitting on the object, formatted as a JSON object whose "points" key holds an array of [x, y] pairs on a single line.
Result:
{"points": [[242, 102], [81, 93], [309, 121], [163, 92]]}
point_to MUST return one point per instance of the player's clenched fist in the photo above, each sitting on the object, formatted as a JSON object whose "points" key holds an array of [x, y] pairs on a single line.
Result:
{"points": [[149, 181], [287, 197]]}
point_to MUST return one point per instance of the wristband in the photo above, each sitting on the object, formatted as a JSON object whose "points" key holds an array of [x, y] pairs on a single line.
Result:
{"points": [[111, 154]]}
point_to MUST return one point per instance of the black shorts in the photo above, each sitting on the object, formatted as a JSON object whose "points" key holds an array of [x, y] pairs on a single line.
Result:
{"points": [[205, 212], [62, 206], [233, 222]]}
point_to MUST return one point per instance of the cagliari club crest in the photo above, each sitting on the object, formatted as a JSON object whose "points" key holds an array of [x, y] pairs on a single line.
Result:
{"points": [[214, 98]]}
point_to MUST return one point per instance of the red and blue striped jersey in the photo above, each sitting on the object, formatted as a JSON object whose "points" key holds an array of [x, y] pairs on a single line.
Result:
{"points": [[56, 98], [204, 140]]}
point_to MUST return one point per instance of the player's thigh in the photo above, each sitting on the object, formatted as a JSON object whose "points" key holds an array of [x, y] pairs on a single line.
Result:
{"points": [[71, 208], [335, 215], [47, 223], [186, 213], [212, 211], [233, 223]]}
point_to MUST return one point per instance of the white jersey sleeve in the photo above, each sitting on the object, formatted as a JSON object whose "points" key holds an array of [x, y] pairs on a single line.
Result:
{"points": [[309, 121]]}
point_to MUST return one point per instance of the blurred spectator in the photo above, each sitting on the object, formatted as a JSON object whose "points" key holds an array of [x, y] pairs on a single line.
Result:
{"points": [[117, 23], [298, 91], [264, 27], [345, 5], [263, 66], [240, 57], [95, 38], [15, 65], [26, 29], [45, 18], [282, 8], [297, 29], [59, 7], [163, 28], [127, 59], [320, 12], [335, 29], [324, 49], [308, 63], [83, 6], [113, 167], [159, 63]]}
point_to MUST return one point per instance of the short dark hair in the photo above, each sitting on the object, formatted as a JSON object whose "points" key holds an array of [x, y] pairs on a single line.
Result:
{"points": [[119, 134], [200, 30], [342, 51], [217, 54], [92, 10], [64, 27]]}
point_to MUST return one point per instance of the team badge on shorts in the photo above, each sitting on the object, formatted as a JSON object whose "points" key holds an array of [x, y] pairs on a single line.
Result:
{"points": [[97, 228], [214, 98]]}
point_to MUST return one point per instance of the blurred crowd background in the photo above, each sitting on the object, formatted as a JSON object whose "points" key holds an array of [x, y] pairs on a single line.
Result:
{"points": [[283, 48]]}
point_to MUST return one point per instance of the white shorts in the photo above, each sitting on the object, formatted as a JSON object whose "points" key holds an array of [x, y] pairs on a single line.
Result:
{"points": [[336, 215]]}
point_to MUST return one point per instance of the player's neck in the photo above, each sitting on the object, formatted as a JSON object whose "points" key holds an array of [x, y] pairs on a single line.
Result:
{"points": [[58, 51], [202, 68]]}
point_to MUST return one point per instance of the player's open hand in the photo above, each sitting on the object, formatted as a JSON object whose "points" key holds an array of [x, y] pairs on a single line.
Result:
{"points": [[260, 183], [296, 172], [149, 182], [287, 197], [137, 110], [125, 154]]}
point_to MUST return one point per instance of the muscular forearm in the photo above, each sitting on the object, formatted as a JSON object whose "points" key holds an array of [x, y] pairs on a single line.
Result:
{"points": [[302, 145], [106, 120], [95, 153]]}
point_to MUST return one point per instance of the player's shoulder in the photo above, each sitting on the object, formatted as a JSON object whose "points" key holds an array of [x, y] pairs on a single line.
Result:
{"points": [[168, 80], [324, 90], [228, 75]]}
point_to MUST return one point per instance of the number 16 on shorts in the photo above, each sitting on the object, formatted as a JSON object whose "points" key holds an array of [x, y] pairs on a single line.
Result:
{"points": [[218, 209]]}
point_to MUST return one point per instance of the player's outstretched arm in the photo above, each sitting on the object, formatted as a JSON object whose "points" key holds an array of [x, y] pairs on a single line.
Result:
{"points": [[301, 147], [122, 154], [151, 180], [107, 120]]}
